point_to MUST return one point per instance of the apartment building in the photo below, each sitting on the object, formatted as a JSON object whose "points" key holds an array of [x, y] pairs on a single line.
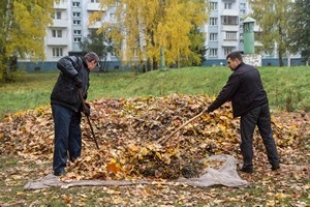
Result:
{"points": [[224, 33], [70, 25], [225, 26]]}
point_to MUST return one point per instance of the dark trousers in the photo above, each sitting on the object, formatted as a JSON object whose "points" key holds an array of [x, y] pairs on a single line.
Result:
{"points": [[259, 117], [67, 132]]}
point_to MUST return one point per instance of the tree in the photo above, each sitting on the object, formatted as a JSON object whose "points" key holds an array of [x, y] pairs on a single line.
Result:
{"points": [[197, 48], [143, 28], [300, 37], [23, 30], [97, 42], [273, 17]]}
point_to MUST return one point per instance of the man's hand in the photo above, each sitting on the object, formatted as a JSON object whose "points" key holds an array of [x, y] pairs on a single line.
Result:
{"points": [[205, 110], [210, 113], [86, 109], [77, 82]]}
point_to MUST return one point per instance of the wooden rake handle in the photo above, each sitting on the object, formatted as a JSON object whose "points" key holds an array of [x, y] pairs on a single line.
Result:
{"points": [[91, 127], [165, 139]]}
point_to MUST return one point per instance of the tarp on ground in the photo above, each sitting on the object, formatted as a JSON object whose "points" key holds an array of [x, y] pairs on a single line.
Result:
{"points": [[226, 175]]}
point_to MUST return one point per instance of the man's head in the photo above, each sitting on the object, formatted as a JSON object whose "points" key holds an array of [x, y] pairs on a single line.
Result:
{"points": [[233, 60], [92, 60]]}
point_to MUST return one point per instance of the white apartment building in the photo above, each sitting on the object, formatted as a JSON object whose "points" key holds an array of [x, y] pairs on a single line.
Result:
{"points": [[70, 25], [224, 29]]}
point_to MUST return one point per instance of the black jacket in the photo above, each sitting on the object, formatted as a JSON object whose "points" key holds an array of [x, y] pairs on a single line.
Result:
{"points": [[244, 88], [65, 93]]}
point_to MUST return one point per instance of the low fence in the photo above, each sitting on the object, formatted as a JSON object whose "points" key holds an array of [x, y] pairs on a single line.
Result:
{"points": [[265, 62], [50, 66], [116, 65]]}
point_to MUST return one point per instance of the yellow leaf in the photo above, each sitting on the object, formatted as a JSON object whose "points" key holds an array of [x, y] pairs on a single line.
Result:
{"points": [[133, 148], [114, 167], [143, 151]]}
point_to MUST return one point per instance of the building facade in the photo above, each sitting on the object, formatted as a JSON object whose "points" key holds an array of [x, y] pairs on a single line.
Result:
{"points": [[70, 25], [224, 30]]}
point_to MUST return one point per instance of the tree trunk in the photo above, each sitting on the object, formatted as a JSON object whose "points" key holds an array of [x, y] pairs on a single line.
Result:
{"points": [[6, 24], [280, 49], [281, 64]]}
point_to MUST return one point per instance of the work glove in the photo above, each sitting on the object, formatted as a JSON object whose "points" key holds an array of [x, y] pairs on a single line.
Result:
{"points": [[77, 82], [86, 109]]}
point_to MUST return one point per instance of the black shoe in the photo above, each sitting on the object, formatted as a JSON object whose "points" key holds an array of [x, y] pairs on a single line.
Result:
{"points": [[60, 173], [247, 170], [275, 167], [73, 159]]}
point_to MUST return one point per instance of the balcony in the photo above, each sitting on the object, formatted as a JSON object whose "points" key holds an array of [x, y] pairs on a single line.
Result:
{"points": [[62, 5], [57, 41], [233, 28], [60, 23], [230, 12], [95, 7], [97, 25], [229, 43]]}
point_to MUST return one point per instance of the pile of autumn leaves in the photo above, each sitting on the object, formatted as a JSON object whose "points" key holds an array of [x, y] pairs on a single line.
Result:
{"points": [[132, 137]]}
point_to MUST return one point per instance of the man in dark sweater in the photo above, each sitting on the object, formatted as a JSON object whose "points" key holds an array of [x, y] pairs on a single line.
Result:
{"points": [[245, 90], [67, 107]]}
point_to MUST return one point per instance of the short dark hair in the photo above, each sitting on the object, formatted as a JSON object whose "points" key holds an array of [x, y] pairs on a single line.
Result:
{"points": [[92, 56], [235, 55]]}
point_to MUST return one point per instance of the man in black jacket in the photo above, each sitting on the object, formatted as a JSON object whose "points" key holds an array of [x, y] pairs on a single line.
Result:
{"points": [[67, 106], [249, 101]]}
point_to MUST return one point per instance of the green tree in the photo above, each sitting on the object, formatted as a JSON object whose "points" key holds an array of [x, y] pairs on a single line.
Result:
{"points": [[273, 17], [143, 28], [23, 30], [97, 42], [300, 37], [197, 48]]}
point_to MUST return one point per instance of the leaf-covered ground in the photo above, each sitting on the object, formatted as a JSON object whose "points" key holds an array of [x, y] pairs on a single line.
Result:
{"points": [[133, 136]]}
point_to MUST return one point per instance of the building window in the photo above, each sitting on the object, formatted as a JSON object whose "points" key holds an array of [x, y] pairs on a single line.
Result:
{"points": [[213, 52], [56, 33], [76, 22], [213, 36], [76, 4], [58, 15], [111, 16], [77, 39], [227, 5], [77, 32], [213, 6], [231, 35], [229, 20], [76, 14], [57, 52], [228, 50], [213, 21], [94, 1]]}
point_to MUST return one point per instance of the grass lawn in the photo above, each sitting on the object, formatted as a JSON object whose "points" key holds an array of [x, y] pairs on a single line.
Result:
{"points": [[288, 88]]}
